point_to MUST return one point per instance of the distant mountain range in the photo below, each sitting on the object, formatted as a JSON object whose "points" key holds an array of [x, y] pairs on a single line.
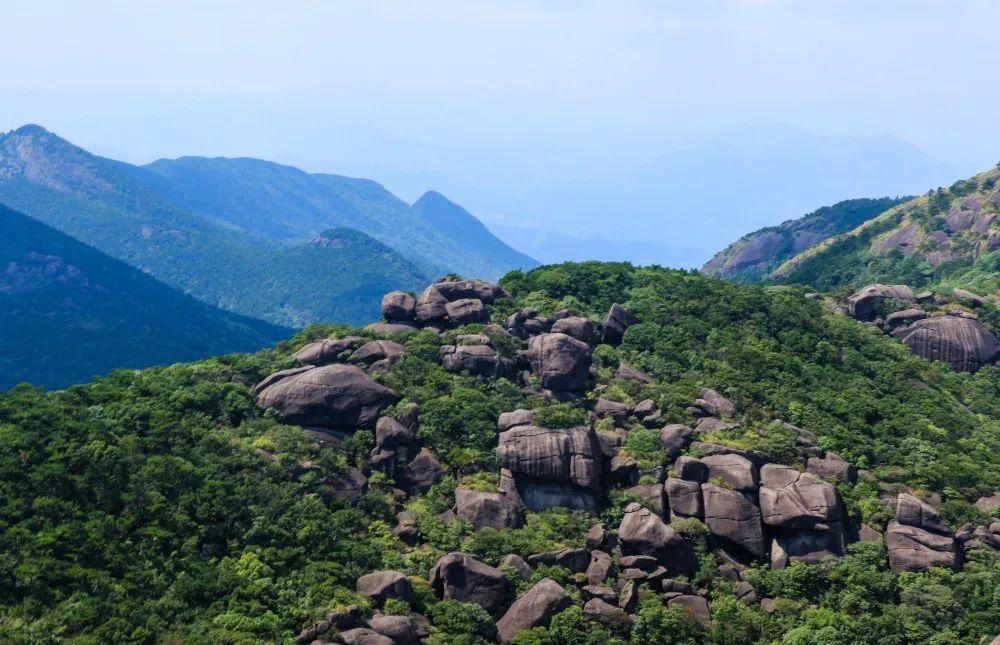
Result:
{"points": [[70, 312], [755, 255], [948, 238], [246, 235]]}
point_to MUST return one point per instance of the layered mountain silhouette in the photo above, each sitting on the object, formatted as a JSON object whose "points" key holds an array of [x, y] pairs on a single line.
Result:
{"points": [[756, 254], [948, 238], [70, 312], [239, 233]]}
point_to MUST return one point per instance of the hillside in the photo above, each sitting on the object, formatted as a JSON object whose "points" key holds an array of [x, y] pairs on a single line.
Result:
{"points": [[68, 312], [117, 208], [945, 239], [625, 455], [755, 255], [284, 203]]}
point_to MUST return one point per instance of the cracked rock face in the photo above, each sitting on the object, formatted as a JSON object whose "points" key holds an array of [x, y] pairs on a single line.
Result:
{"points": [[534, 609], [798, 500], [732, 515], [643, 533], [570, 456], [559, 361], [915, 549]]}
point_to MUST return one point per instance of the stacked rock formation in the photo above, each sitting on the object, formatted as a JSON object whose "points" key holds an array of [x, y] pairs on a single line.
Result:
{"points": [[953, 336]]}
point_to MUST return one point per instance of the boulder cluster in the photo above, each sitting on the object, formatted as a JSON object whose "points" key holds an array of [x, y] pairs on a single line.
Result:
{"points": [[937, 328], [754, 509]]}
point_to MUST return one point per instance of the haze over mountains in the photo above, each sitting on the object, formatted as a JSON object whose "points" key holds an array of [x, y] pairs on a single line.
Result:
{"points": [[236, 233]]}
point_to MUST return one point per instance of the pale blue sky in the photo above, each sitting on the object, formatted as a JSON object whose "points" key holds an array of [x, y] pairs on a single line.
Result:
{"points": [[583, 118]]}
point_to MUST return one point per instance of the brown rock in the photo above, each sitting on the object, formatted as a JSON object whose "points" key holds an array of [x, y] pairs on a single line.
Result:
{"points": [[576, 326], [423, 472], [616, 323], [488, 510], [792, 499]]}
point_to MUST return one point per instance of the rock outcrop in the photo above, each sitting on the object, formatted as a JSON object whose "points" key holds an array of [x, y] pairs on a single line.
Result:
{"points": [[559, 361], [643, 533], [461, 577], [334, 396], [918, 539]]}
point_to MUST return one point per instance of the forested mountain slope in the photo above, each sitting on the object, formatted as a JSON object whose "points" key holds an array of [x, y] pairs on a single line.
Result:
{"points": [[68, 312], [753, 256], [945, 239], [285, 203], [118, 209], [623, 456]]}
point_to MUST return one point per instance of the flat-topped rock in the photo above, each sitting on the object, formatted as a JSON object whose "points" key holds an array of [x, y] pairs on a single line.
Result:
{"points": [[964, 343]]}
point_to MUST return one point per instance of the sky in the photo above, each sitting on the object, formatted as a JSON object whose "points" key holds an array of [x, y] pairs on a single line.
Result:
{"points": [[651, 131]]}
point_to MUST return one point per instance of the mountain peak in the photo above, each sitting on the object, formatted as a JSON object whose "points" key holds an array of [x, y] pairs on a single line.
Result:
{"points": [[433, 198]]}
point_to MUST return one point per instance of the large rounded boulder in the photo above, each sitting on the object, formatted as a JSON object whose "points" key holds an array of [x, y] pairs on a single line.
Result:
{"points": [[335, 396], [964, 343]]}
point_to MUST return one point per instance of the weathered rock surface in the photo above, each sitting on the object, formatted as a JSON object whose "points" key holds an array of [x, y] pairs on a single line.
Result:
{"points": [[515, 418], [478, 360], [390, 433], [338, 396], [714, 404], [488, 510], [576, 326], [914, 512], [861, 305], [915, 549], [964, 343], [327, 351], [466, 311], [642, 532], [684, 498], [833, 468], [559, 361], [349, 485], [398, 306], [461, 577], [737, 471], [792, 499], [534, 609], [809, 546], [364, 636], [401, 629], [732, 516], [571, 456], [271, 379], [423, 472], [695, 607], [616, 323], [629, 373], [379, 350], [675, 438], [382, 585]]}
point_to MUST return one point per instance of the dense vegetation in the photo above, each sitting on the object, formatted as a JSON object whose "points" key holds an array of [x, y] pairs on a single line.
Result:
{"points": [[138, 508], [757, 254], [941, 241], [70, 313]]}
